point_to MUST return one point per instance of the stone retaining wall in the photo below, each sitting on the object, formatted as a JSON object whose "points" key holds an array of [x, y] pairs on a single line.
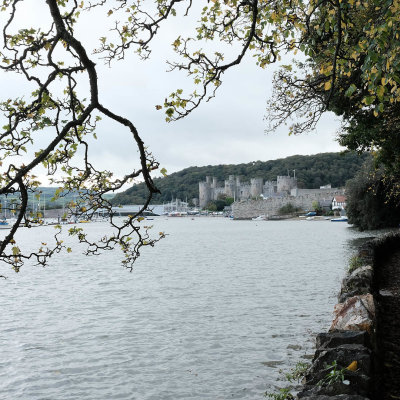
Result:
{"points": [[253, 208], [351, 343]]}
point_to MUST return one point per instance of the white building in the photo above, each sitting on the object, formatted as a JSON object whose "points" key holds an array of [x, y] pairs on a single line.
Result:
{"points": [[339, 203]]}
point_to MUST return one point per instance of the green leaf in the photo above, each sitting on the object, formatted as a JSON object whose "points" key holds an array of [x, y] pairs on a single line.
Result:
{"points": [[380, 91], [369, 100], [352, 88]]}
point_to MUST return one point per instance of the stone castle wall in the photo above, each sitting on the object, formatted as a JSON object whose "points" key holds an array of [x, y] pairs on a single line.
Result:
{"points": [[233, 187], [303, 192], [253, 208], [286, 183]]}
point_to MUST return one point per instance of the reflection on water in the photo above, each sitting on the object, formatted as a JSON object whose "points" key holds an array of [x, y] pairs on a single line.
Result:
{"points": [[212, 312]]}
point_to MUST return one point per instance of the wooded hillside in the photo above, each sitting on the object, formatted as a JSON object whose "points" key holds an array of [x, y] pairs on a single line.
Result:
{"points": [[311, 172]]}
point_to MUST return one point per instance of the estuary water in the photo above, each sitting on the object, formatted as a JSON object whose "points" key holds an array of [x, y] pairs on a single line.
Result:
{"points": [[213, 311]]}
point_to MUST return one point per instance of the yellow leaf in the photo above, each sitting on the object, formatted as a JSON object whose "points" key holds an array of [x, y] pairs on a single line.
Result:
{"points": [[328, 85], [353, 366]]}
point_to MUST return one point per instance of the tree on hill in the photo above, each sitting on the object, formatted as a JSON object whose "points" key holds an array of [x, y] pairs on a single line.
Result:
{"points": [[311, 172], [64, 103]]}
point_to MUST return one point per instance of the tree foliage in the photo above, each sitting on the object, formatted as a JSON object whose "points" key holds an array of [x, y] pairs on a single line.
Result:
{"points": [[53, 60], [288, 208], [352, 69], [311, 172], [370, 204]]}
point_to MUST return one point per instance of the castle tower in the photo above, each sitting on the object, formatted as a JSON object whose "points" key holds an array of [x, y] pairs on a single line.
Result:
{"points": [[204, 192], [230, 187], [256, 187], [269, 188], [286, 184]]}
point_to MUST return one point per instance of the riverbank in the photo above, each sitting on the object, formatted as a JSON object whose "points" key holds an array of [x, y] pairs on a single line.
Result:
{"points": [[359, 358]]}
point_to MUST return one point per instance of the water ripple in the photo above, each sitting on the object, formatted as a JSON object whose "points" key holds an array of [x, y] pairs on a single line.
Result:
{"points": [[212, 312]]}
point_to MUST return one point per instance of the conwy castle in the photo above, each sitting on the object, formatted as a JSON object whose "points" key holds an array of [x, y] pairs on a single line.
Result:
{"points": [[210, 190], [257, 197]]}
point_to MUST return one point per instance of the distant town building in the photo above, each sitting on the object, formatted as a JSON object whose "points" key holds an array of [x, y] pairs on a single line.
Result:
{"points": [[339, 202], [176, 205]]}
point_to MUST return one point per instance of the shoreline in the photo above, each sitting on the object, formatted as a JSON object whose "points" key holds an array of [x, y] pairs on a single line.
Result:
{"points": [[358, 359]]}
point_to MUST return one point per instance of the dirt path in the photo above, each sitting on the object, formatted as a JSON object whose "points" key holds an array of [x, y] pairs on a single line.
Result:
{"points": [[388, 333]]}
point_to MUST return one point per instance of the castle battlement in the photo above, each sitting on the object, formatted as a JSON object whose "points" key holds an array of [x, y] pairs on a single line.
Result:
{"points": [[256, 188]]}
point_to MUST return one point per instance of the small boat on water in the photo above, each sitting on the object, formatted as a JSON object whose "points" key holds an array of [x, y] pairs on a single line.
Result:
{"points": [[177, 214], [259, 218], [343, 218], [4, 224]]}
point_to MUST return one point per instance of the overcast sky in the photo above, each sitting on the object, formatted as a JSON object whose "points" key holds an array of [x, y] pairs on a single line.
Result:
{"points": [[228, 130]]}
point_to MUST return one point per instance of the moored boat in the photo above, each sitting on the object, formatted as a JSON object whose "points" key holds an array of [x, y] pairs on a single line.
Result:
{"points": [[4, 224], [259, 218], [343, 218]]}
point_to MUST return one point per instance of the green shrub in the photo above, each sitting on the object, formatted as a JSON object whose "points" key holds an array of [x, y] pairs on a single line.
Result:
{"points": [[335, 374], [354, 263], [288, 208], [298, 372]]}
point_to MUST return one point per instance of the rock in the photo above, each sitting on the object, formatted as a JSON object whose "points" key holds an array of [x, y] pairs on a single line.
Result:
{"points": [[327, 391], [343, 295], [355, 314], [359, 282], [366, 251], [360, 386], [337, 397], [343, 356], [364, 270], [337, 390], [338, 338], [386, 293]]}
